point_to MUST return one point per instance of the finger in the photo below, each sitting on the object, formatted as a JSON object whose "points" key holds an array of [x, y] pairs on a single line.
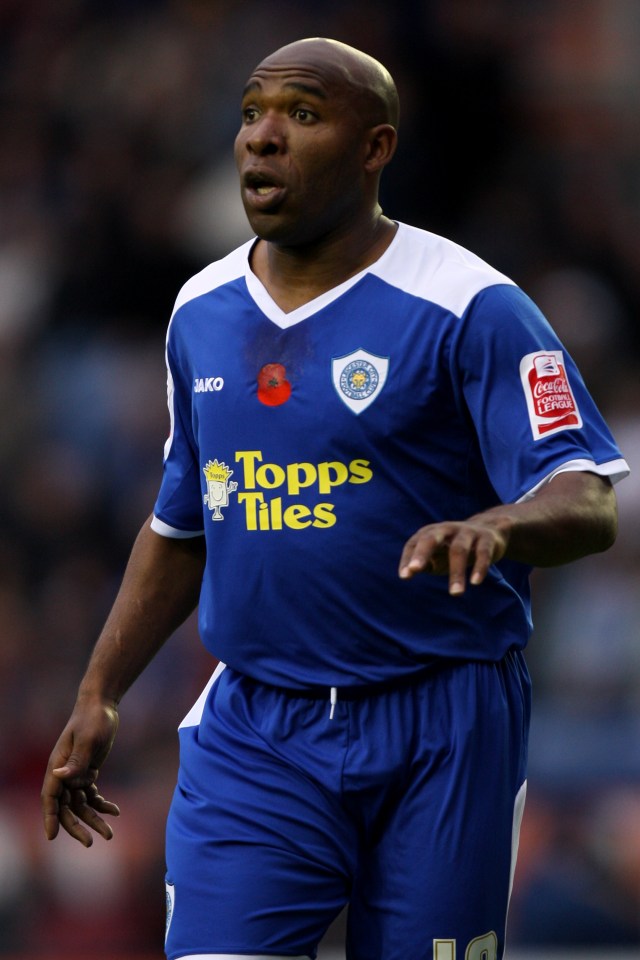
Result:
{"points": [[51, 825], [98, 802], [86, 813], [419, 551], [70, 822], [76, 772], [483, 561], [407, 553], [75, 776], [52, 790], [459, 558], [50, 817]]}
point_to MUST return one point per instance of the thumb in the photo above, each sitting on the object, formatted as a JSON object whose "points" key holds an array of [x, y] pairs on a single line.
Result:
{"points": [[77, 771]]}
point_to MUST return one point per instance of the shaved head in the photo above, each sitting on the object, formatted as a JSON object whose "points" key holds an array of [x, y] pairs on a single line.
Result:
{"points": [[367, 82]]}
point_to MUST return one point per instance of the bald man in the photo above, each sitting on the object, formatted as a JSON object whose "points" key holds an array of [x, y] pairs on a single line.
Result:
{"points": [[374, 437]]}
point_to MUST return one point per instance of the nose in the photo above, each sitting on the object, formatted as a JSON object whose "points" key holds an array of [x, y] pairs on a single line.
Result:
{"points": [[265, 136]]}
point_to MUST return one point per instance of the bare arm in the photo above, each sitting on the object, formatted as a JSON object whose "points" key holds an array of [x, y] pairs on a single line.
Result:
{"points": [[570, 517], [159, 590]]}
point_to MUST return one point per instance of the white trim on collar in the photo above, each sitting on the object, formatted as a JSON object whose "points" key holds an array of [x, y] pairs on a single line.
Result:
{"points": [[270, 308]]}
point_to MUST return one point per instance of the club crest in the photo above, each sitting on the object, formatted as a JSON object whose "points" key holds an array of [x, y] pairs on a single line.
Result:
{"points": [[358, 378]]}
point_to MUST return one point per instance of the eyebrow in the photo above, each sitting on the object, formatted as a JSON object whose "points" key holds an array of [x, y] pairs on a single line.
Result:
{"points": [[308, 88]]}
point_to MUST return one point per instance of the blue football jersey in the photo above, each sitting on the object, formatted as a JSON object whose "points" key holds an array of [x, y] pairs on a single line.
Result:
{"points": [[308, 446]]}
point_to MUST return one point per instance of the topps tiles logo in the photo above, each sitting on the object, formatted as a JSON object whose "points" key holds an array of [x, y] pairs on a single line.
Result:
{"points": [[268, 493]]}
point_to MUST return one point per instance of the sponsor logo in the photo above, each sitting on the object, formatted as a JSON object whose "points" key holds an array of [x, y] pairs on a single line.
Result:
{"points": [[218, 487], [208, 384], [358, 378], [550, 401], [269, 493]]}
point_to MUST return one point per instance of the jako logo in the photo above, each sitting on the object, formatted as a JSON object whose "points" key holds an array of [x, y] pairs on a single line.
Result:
{"points": [[208, 384]]}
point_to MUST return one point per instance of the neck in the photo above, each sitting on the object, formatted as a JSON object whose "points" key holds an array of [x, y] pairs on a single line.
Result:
{"points": [[294, 275]]}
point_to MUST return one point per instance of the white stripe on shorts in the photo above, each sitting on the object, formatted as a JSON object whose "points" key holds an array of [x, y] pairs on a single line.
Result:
{"points": [[194, 716], [518, 811]]}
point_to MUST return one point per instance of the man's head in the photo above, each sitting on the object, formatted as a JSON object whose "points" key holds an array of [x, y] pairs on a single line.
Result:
{"points": [[318, 127]]}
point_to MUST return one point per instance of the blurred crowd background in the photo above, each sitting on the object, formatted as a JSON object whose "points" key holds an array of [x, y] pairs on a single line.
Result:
{"points": [[520, 139]]}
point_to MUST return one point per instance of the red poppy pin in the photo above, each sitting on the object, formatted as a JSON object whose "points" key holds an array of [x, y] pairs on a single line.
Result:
{"points": [[273, 386]]}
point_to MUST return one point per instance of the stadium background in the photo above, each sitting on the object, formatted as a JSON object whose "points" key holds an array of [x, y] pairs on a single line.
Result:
{"points": [[520, 139]]}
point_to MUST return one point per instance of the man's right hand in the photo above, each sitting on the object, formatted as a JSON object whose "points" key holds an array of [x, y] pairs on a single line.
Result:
{"points": [[159, 590], [70, 797]]}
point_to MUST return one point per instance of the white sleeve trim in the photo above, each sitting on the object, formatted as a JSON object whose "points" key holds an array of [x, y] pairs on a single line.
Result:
{"points": [[162, 528], [614, 469]]}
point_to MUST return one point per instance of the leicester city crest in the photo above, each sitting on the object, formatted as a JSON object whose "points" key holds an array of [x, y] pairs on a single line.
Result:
{"points": [[358, 378]]}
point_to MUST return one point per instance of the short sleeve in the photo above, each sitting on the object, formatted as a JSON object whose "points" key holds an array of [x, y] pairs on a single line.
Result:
{"points": [[529, 404], [178, 508]]}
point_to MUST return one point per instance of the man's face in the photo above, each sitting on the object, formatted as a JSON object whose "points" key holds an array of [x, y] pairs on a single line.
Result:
{"points": [[299, 152]]}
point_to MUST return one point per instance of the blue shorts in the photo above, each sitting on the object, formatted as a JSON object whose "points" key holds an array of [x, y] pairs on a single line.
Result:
{"points": [[406, 805]]}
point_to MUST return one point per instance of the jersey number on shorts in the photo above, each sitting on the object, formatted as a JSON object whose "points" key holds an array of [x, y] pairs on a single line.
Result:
{"points": [[481, 948]]}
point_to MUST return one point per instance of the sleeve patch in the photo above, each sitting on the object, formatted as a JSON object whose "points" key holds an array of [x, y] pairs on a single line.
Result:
{"points": [[550, 401]]}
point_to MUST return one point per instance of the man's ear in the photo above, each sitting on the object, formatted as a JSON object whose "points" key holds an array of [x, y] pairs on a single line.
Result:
{"points": [[381, 147]]}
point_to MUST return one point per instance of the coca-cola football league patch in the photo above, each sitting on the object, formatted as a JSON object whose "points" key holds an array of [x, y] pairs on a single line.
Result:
{"points": [[551, 404]]}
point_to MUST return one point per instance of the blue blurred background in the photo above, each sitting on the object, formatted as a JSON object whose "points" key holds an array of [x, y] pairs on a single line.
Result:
{"points": [[520, 139]]}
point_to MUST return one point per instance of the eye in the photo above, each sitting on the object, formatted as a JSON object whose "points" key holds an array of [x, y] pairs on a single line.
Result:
{"points": [[304, 115], [249, 114]]}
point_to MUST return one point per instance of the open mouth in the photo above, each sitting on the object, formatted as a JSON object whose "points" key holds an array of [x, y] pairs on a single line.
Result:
{"points": [[259, 178], [261, 189]]}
